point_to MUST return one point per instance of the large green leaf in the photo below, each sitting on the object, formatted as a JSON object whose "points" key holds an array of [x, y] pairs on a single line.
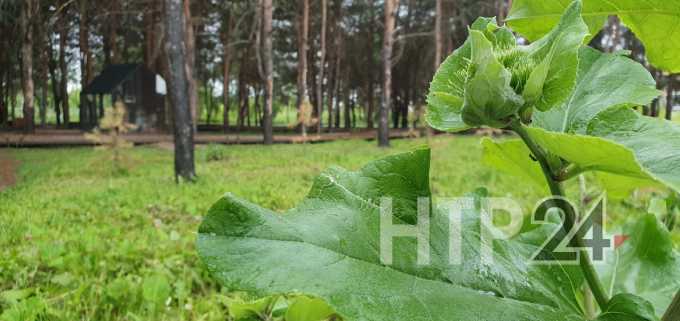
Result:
{"points": [[328, 247], [646, 264], [512, 157], [621, 141], [597, 130], [628, 307], [557, 54], [604, 81], [654, 22], [308, 309]]}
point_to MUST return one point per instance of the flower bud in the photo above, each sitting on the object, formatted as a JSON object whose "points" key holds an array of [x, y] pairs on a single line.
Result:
{"points": [[490, 79]]}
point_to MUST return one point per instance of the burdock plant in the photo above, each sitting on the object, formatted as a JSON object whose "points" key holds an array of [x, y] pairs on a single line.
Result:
{"points": [[570, 105], [491, 80]]}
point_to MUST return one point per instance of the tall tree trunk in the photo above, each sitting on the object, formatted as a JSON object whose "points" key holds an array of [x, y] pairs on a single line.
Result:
{"points": [[339, 52], [149, 35], [44, 93], [438, 44], [86, 110], [256, 107], [303, 46], [391, 7], [113, 56], [13, 102], [63, 66], [322, 62], [56, 88], [3, 88], [86, 63], [153, 37], [27, 64], [190, 61], [352, 107], [243, 93], [42, 68], [268, 71], [207, 94], [226, 66], [346, 104], [654, 110], [669, 96], [331, 90], [371, 66], [336, 109], [178, 92]]}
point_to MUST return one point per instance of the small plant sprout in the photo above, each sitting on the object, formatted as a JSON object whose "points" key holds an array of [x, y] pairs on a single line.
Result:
{"points": [[109, 135]]}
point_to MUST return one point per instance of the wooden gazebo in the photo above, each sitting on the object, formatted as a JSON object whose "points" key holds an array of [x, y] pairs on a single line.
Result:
{"points": [[141, 90]]}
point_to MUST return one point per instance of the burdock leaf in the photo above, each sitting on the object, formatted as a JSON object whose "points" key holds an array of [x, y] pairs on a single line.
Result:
{"points": [[553, 80], [604, 81], [328, 248], [654, 22], [646, 264], [597, 130], [628, 307]]}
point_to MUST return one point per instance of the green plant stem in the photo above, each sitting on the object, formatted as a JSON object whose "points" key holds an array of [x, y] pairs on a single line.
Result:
{"points": [[569, 172], [569, 216], [673, 312]]}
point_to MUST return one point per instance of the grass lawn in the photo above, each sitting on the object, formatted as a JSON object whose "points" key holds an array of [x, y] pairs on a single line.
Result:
{"points": [[83, 243]]}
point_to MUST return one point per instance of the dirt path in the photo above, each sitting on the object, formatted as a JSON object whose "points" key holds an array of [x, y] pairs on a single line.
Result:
{"points": [[8, 170]]}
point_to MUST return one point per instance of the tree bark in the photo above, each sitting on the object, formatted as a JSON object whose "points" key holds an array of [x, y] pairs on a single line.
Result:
{"points": [[27, 64], [86, 63], [190, 62], [322, 62], [669, 96], [43, 69], [438, 44], [4, 73], [268, 71], [303, 46], [87, 113], [347, 96], [391, 7], [111, 43], [654, 108], [179, 90], [339, 53], [63, 66], [149, 35], [226, 68], [56, 88], [371, 66]]}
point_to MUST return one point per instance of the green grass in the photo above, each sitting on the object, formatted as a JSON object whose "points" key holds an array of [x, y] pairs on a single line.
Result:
{"points": [[89, 244]]}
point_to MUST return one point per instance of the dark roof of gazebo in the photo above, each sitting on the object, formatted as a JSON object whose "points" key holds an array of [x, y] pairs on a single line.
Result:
{"points": [[110, 78]]}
